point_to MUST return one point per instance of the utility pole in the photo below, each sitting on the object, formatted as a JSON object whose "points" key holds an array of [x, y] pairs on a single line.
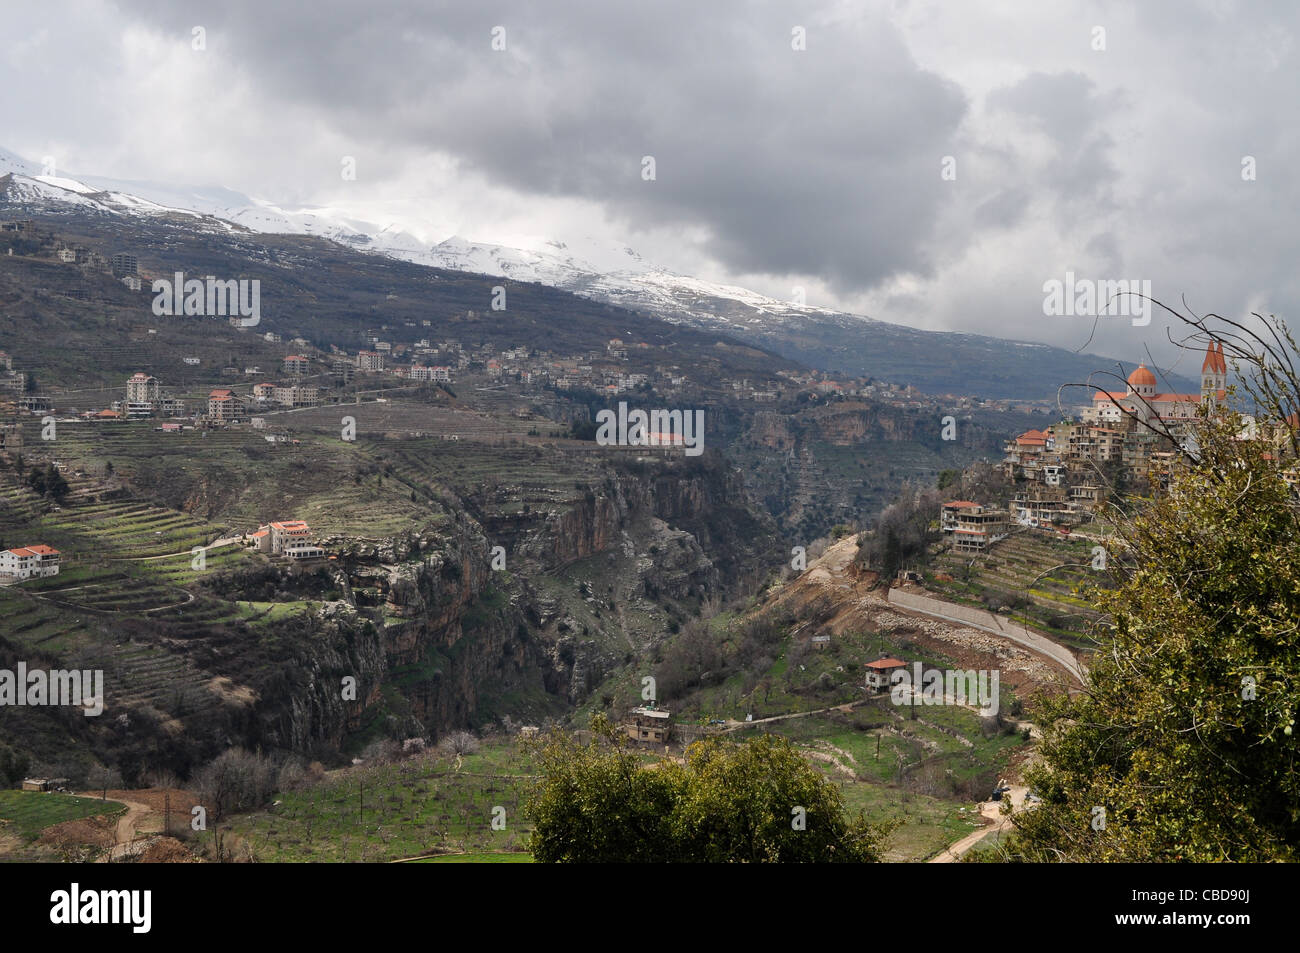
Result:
{"points": [[167, 814]]}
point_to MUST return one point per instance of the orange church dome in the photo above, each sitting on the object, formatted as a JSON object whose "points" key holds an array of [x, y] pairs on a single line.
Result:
{"points": [[1141, 378]]}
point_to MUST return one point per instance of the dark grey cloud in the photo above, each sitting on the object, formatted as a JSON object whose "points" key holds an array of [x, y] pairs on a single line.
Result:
{"points": [[774, 167], [822, 161], [1069, 111]]}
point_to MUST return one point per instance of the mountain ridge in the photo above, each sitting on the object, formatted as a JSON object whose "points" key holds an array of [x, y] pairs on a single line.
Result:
{"points": [[937, 362]]}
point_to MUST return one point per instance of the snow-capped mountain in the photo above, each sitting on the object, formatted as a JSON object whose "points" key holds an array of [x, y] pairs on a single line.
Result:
{"points": [[620, 276], [612, 273], [25, 184], [938, 362]]}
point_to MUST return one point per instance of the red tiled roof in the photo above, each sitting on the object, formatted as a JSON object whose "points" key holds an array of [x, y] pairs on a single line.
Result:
{"points": [[887, 663], [1214, 360], [1142, 377]]}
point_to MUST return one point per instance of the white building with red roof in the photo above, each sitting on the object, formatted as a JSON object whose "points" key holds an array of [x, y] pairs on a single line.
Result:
{"points": [[280, 536], [26, 562], [224, 404], [880, 671]]}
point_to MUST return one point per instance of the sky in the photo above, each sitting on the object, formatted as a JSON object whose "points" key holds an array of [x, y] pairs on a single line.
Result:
{"points": [[928, 163]]}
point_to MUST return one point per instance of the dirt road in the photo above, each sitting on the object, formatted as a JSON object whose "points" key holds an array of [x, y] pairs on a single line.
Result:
{"points": [[127, 827], [992, 810]]}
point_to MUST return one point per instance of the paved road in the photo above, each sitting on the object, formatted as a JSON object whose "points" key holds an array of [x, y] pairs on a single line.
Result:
{"points": [[1036, 642]]}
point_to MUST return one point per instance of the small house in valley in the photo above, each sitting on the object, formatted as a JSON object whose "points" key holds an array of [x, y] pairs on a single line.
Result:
{"points": [[648, 725], [880, 671]]}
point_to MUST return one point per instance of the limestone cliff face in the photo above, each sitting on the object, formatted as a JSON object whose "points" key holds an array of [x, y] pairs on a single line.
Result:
{"points": [[849, 422], [426, 637], [420, 626], [772, 431], [841, 424]]}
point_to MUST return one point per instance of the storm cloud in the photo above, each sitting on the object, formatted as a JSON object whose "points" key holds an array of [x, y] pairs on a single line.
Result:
{"points": [[793, 144]]}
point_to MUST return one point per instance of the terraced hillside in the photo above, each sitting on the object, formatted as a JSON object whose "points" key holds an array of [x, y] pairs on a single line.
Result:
{"points": [[1040, 575], [606, 551]]}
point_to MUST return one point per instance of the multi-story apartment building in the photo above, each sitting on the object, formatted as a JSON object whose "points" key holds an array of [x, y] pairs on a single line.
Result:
{"points": [[224, 404], [295, 395], [370, 361], [123, 264], [972, 527], [26, 562], [278, 537], [141, 388]]}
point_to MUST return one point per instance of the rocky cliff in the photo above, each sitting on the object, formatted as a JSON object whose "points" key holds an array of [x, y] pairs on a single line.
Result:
{"points": [[429, 627]]}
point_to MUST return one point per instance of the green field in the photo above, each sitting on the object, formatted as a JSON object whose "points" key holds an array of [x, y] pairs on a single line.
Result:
{"points": [[388, 812], [27, 813], [481, 857]]}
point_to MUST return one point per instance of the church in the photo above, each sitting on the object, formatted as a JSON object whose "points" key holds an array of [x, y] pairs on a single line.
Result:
{"points": [[1144, 401]]}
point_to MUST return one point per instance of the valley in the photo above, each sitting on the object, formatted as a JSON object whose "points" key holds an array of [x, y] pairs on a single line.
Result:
{"points": [[477, 561]]}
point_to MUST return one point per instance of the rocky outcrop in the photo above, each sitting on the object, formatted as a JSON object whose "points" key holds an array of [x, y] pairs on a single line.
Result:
{"points": [[428, 626]]}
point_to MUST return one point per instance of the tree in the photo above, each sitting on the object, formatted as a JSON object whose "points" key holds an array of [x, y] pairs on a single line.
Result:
{"points": [[48, 482], [890, 558], [458, 743], [760, 801], [757, 801], [102, 778], [235, 780], [1184, 736], [55, 485], [596, 803], [13, 764], [902, 532]]}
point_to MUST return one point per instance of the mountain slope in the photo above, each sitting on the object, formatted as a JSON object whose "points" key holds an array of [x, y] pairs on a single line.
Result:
{"points": [[932, 361]]}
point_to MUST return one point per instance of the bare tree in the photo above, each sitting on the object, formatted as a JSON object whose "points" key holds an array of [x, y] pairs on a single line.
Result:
{"points": [[235, 780], [458, 743], [103, 777]]}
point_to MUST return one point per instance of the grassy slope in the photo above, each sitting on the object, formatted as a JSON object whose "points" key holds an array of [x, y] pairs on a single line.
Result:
{"points": [[27, 813], [413, 807]]}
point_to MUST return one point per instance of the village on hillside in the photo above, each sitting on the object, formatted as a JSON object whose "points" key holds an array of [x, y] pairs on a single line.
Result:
{"points": [[1065, 474]]}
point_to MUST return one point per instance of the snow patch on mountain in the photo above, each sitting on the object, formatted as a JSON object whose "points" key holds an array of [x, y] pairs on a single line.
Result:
{"points": [[606, 271]]}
